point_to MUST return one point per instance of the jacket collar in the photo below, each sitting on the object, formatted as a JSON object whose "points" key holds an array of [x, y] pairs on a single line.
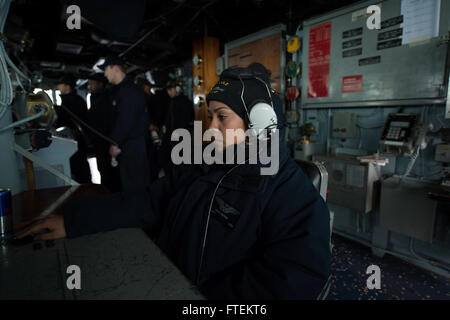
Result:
{"points": [[99, 91], [244, 177], [126, 81]]}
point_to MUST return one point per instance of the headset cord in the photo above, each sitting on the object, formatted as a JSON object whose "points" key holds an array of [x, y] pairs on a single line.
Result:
{"points": [[209, 215], [268, 90], [207, 220], [242, 98]]}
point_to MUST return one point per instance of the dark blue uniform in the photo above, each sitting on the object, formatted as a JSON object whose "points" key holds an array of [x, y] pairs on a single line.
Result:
{"points": [[130, 133], [156, 105], [79, 166], [268, 236], [179, 115], [101, 118]]}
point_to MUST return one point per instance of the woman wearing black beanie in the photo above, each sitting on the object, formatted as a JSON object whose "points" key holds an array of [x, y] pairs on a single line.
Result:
{"points": [[235, 233]]}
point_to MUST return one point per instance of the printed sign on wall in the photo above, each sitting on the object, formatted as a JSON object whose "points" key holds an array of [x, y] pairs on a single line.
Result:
{"points": [[352, 83], [319, 60]]}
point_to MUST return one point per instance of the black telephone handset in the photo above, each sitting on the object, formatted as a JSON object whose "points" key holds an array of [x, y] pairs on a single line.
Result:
{"points": [[399, 127], [399, 133]]}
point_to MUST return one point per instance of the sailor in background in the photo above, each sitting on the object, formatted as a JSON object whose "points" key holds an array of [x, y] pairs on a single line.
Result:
{"points": [[154, 141], [79, 166], [130, 130], [101, 118], [179, 115]]}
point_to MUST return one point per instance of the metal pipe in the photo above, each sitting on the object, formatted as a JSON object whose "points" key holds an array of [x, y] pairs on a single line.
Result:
{"points": [[43, 164], [140, 40], [57, 203], [17, 123]]}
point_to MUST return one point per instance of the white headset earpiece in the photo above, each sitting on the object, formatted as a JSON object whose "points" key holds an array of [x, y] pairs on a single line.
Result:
{"points": [[262, 116]]}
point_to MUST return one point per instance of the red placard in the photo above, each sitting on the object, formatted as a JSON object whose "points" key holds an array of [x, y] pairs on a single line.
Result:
{"points": [[319, 60], [352, 83]]}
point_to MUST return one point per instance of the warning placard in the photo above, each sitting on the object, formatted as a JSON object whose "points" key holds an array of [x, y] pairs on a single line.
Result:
{"points": [[352, 83], [319, 60]]}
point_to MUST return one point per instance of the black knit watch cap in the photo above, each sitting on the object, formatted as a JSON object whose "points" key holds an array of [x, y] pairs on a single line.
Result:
{"points": [[229, 88]]}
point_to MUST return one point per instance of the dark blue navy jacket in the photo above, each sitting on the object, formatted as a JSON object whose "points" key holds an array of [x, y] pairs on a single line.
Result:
{"points": [[131, 124], [77, 106], [101, 115], [267, 238]]}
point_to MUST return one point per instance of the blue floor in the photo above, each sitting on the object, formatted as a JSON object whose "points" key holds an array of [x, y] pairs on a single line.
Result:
{"points": [[399, 280]]}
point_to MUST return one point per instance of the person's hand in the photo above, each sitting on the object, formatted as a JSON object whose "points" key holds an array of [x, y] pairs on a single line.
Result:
{"points": [[51, 227], [113, 151]]}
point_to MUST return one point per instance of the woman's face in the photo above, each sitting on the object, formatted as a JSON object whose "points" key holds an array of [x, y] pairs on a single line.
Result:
{"points": [[222, 118]]}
